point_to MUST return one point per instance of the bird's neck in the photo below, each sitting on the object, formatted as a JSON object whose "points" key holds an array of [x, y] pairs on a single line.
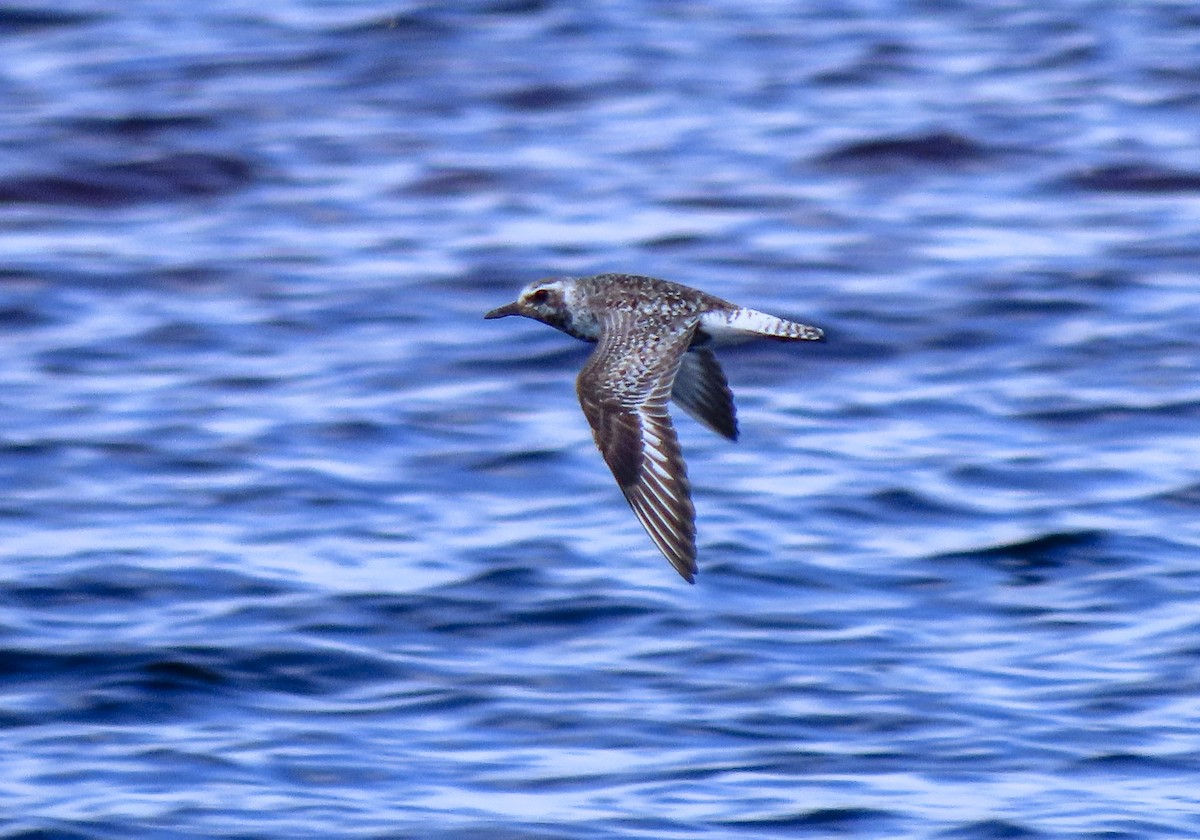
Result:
{"points": [[581, 324]]}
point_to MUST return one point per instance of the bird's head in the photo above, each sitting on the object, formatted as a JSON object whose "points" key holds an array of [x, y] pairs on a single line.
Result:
{"points": [[543, 300]]}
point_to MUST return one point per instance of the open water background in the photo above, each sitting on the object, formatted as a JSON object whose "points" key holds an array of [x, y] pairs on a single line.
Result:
{"points": [[294, 545]]}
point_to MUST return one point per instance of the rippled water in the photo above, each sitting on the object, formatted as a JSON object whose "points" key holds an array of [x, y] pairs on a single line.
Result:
{"points": [[295, 545]]}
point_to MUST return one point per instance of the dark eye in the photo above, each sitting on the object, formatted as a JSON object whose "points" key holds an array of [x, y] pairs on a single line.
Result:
{"points": [[540, 296]]}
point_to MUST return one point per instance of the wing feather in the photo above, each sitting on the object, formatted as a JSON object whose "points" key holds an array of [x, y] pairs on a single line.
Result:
{"points": [[624, 393], [702, 390]]}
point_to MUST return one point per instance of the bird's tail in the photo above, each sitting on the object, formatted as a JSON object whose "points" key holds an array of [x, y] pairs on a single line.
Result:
{"points": [[750, 322]]}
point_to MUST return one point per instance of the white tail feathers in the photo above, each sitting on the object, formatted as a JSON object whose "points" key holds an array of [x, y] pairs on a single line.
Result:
{"points": [[742, 324]]}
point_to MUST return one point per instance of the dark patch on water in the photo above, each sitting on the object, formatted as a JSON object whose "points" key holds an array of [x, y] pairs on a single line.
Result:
{"points": [[15, 20], [991, 830], [173, 177], [887, 154], [140, 127], [838, 820], [1044, 551], [1146, 178], [544, 97], [882, 61], [455, 181]]}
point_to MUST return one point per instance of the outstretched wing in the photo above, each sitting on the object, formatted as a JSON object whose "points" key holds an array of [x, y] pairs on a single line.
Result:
{"points": [[624, 389], [702, 390]]}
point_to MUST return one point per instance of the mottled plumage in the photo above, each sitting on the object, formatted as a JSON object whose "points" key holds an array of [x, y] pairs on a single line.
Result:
{"points": [[653, 344]]}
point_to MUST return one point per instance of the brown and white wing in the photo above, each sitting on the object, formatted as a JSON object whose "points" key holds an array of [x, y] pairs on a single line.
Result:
{"points": [[624, 389], [702, 390]]}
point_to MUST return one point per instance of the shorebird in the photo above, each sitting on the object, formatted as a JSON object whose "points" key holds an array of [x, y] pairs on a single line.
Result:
{"points": [[654, 343]]}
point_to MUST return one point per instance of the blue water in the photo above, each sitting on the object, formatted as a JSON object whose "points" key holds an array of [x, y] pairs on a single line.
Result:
{"points": [[295, 545]]}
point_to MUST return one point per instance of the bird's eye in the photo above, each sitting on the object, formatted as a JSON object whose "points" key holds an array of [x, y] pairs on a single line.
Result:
{"points": [[540, 296]]}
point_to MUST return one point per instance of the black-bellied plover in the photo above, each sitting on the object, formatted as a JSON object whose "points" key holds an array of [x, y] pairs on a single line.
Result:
{"points": [[654, 343]]}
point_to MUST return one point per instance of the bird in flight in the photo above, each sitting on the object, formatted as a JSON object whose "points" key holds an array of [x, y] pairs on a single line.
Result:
{"points": [[654, 342]]}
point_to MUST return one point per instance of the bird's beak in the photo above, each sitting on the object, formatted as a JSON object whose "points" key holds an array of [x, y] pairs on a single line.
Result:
{"points": [[513, 308]]}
